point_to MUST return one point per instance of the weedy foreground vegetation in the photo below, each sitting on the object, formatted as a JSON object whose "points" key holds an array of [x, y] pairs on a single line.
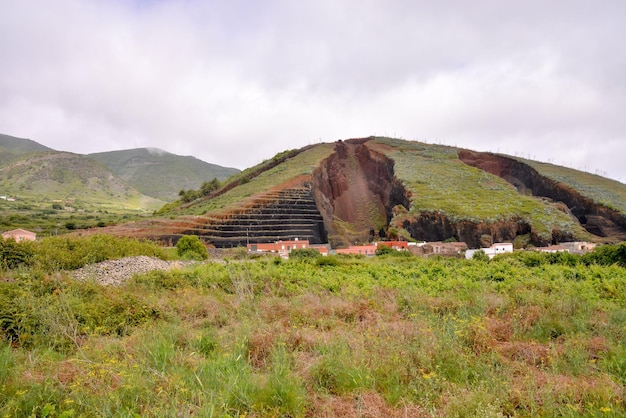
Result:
{"points": [[522, 335]]}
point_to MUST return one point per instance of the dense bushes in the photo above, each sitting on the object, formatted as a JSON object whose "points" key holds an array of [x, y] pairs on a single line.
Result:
{"points": [[69, 252], [607, 255], [14, 254], [191, 248], [304, 254], [206, 189], [58, 314]]}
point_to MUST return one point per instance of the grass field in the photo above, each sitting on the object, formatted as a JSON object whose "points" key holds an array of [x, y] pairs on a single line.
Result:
{"points": [[522, 335]]}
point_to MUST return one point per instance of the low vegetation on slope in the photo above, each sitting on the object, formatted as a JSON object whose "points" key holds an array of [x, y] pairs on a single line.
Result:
{"points": [[600, 189], [285, 167], [12, 148], [70, 179], [440, 182], [160, 174], [387, 336], [54, 192]]}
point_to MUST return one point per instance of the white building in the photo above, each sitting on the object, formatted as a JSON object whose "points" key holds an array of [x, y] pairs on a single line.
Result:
{"points": [[495, 249]]}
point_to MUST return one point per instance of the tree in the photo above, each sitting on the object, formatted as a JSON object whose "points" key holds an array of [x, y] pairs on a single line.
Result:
{"points": [[190, 247], [209, 186]]}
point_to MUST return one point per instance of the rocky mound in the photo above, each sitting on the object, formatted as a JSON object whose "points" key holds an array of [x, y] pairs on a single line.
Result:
{"points": [[356, 191], [116, 272]]}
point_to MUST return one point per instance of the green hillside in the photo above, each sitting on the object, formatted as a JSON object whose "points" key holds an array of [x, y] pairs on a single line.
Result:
{"points": [[160, 174], [439, 181], [606, 191], [254, 181], [71, 180], [12, 148], [444, 190]]}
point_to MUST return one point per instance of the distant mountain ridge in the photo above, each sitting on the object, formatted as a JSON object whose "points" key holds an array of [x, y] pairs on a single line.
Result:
{"points": [[12, 147], [146, 177], [161, 174], [70, 180]]}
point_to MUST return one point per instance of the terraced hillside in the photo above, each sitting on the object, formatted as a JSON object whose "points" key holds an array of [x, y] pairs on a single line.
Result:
{"points": [[362, 188], [279, 215]]}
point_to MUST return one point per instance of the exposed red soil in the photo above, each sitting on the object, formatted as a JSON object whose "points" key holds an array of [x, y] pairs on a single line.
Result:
{"points": [[356, 186]]}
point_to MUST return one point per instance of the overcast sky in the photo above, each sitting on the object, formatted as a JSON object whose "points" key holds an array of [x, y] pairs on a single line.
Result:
{"points": [[234, 82]]}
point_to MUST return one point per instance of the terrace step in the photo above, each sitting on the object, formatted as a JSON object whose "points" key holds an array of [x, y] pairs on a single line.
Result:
{"points": [[280, 215]]}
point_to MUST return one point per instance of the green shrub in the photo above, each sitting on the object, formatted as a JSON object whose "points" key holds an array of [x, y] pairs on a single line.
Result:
{"points": [[562, 258], [14, 254], [69, 252], [327, 261], [190, 247], [304, 253], [384, 250], [480, 256], [158, 279], [607, 255]]}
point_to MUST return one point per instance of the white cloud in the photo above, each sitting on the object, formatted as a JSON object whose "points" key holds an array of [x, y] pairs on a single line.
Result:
{"points": [[235, 82]]}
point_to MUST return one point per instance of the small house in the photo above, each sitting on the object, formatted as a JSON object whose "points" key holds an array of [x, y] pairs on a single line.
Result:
{"points": [[283, 248], [579, 247], [495, 249], [20, 235], [441, 248], [395, 245], [553, 249]]}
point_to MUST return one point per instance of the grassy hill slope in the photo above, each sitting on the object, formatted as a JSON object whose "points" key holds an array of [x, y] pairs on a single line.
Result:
{"points": [[72, 180], [161, 174], [600, 189], [283, 168], [440, 182], [443, 189], [12, 148]]}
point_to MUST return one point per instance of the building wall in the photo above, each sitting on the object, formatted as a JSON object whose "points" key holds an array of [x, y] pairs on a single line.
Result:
{"points": [[20, 235]]}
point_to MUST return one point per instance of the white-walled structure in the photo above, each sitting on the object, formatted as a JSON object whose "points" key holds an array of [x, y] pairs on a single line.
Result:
{"points": [[495, 249]]}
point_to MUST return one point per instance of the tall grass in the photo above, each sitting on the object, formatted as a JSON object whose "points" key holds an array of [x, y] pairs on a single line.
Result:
{"points": [[369, 337]]}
